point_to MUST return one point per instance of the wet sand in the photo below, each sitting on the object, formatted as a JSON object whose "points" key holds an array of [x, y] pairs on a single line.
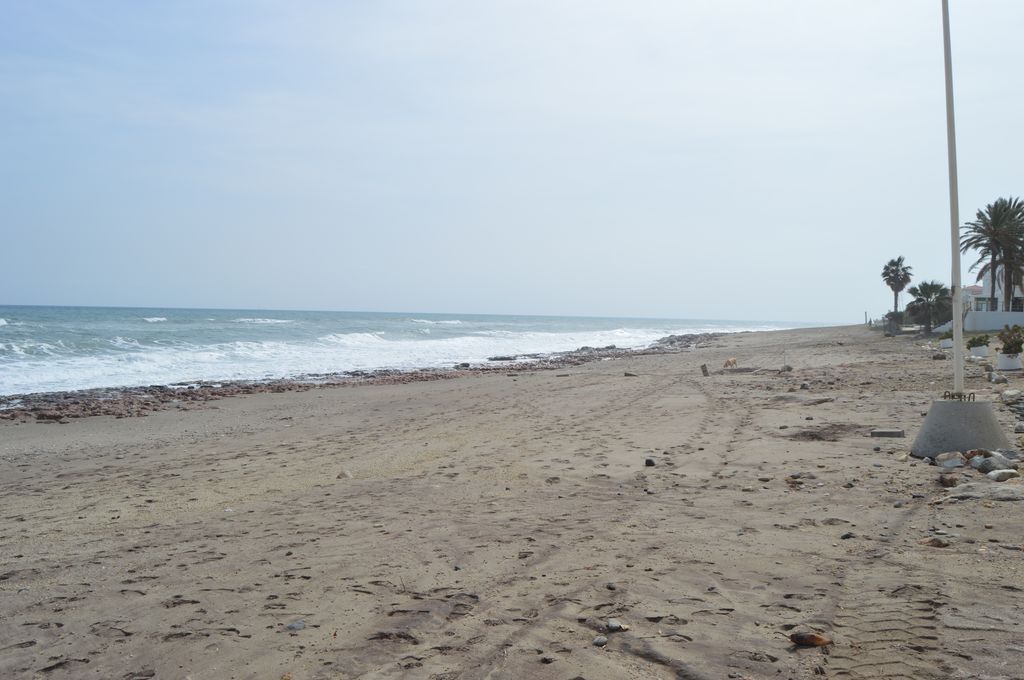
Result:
{"points": [[490, 525]]}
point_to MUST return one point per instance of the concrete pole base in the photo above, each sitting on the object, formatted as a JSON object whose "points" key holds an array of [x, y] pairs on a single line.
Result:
{"points": [[958, 426]]}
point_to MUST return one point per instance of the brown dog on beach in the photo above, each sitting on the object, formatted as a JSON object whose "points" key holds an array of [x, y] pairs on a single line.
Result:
{"points": [[730, 363]]}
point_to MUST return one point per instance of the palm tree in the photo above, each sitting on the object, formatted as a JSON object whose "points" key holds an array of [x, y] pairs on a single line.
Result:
{"points": [[896, 275], [931, 305], [997, 233]]}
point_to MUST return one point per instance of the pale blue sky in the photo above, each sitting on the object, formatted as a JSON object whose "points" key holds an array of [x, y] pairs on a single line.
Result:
{"points": [[717, 159]]}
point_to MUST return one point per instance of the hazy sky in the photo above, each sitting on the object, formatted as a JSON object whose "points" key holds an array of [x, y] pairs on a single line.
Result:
{"points": [[718, 159]]}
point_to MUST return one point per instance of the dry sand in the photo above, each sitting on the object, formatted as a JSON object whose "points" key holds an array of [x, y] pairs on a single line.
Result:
{"points": [[489, 526]]}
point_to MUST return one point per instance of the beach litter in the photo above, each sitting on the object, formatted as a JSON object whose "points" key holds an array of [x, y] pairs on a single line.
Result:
{"points": [[810, 639], [935, 542]]}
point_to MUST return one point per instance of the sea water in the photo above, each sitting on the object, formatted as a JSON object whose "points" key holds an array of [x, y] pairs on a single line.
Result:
{"points": [[50, 349]]}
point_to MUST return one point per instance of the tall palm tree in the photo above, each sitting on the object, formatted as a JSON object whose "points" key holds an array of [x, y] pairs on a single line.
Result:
{"points": [[997, 233], [896, 275], [931, 305]]}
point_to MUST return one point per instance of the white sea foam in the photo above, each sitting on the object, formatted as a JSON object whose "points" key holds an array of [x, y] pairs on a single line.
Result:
{"points": [[126, 343], [28, 366], [154, 319], [29, 348], [135, 364], [3, 322], [439, 322]]}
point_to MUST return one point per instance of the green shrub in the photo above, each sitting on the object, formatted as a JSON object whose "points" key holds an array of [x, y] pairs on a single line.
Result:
{"points": [[978, 341], [1012, 339]]}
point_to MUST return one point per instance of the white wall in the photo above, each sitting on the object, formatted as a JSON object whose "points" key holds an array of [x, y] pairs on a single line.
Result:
{"points": [[992, 321]]}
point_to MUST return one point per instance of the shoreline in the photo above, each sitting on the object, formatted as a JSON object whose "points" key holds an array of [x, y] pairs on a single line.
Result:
{"points": [[139, 401]]}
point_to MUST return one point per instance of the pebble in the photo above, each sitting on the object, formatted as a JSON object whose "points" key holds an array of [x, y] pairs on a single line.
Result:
{"points": [[600, 641], [1002, 475], [296, 625], [613, 625], [848, 534], [650, 462]]}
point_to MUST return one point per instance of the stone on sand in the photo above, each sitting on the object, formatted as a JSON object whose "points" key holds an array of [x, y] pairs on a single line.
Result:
{"points": [[950, 459], [991, 462]]}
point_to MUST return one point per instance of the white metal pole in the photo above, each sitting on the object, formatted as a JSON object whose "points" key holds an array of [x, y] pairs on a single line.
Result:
{"points": [[954, 212]]}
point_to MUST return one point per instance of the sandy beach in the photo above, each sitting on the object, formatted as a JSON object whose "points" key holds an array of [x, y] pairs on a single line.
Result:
{"points": [[490, 526]]}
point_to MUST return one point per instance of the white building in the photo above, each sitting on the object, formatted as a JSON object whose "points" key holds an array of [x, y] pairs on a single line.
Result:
{"points": [[981, 309], [985, 301]]}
